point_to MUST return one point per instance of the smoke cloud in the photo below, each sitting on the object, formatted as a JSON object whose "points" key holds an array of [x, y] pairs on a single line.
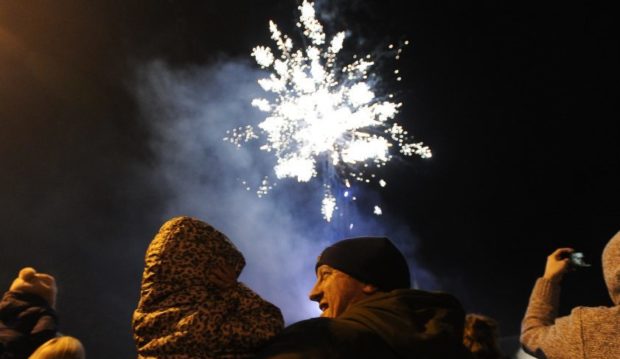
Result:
{"points": [[188, 112]]}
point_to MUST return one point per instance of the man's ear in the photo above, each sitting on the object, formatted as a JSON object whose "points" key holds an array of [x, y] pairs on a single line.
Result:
{"points": [[369, 289]]}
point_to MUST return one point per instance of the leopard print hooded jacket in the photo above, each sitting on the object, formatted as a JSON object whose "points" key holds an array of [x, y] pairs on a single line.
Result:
{"points": [[181, 314]]}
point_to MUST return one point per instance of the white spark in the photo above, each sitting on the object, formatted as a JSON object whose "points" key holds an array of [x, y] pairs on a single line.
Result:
{"points": [[360, 94], [302, 168], [328, 206], [366, 148], [323, 113], [263, 56], [264, 188], [261, 104], [240, 135], [336, 44], [378, 211]]}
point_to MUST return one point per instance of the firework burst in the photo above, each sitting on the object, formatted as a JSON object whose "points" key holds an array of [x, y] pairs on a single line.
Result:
{"points": [[323, 118]]}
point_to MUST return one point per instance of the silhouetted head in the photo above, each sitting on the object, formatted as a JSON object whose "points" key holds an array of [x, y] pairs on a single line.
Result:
{"points": [[41, 284], [480, 336], [64, 347], [353, 269]]}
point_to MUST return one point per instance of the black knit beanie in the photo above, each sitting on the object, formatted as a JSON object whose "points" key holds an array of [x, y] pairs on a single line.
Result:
{"points": [[371, 260]]}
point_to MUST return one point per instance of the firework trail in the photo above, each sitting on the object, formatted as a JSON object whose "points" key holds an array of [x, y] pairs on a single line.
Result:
{"points": [[323, 118]]}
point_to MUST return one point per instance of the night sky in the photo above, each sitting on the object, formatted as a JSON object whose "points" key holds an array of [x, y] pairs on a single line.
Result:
{"points": [[109, 111]]}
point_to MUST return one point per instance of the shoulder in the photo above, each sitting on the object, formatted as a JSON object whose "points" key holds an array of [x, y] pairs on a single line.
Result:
{"points": [[323, 329], [22, 301], [595, 313], [323, 338], [414, 297], [408, 303]]}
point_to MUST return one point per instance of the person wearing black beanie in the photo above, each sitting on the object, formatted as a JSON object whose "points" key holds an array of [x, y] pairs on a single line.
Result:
{"points": [[369, 310], [354, 268], [372, 260]]}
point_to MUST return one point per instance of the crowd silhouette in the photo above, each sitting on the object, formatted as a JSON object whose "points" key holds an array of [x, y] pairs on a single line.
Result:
{"points": [[192, 305]]}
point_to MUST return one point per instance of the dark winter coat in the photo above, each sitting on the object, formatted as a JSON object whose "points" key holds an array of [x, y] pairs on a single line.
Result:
{"points": [[404, 323], [26, 322]]}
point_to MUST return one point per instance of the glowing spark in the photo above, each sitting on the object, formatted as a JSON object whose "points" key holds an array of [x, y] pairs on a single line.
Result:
{"points": [[322, 114], [328, 206], [378, 211], [264, 188], [239, 135], [263, 56]]}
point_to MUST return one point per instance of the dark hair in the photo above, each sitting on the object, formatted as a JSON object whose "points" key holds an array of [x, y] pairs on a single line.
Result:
{"points": [[480, 337]]}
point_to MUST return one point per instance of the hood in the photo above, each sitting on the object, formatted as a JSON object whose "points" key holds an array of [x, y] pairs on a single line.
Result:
{"points": [[181, 256], [182, 314], [41, 284], [611, 267], [412, 322]]}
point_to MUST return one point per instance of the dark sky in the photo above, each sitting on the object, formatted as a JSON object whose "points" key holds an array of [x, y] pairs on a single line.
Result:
{"points": [[514, 99]]}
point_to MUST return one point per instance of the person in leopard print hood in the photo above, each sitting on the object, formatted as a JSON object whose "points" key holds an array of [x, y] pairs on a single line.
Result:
{"points": [[191, 304]]}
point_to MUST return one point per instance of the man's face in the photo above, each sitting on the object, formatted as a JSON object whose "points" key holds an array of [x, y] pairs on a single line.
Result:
{"points": [[335, 291]]}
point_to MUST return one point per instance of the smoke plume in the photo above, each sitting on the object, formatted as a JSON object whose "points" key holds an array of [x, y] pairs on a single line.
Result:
{"points": [[188, 112]]}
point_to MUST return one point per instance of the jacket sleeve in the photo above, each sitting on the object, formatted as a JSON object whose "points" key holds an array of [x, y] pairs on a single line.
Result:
{"points": [[545, 335], [33, 323], [252, 321]]}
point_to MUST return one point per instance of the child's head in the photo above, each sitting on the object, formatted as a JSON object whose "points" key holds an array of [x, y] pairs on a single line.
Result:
{"points": [[481, 336], [64, 347], [29, 281]]}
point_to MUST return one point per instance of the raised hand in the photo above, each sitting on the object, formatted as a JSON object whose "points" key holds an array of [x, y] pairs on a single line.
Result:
{"points": [[558, 263]]}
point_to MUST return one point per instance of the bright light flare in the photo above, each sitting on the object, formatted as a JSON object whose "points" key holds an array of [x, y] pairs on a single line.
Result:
{"points": [[322, 113], [328, 206]]}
